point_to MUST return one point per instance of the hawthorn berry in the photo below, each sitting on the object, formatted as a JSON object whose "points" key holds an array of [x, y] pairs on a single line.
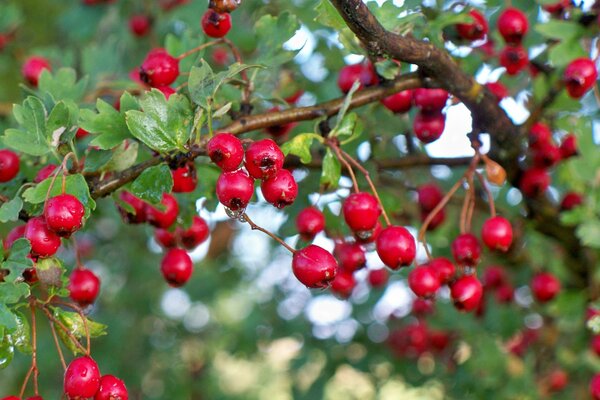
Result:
{"points": [[234, 189], [309, 222], [494, 277], [475, 30], [226, 151], [264, 159], [444, 269], [220, 56], [15, 233], [497, 233], [422, 307], [84, 286], [9, 165], [466, 250], [570, 201], [430, 100], [111, 388], [281, 189], [568, 147], [159, 68], [363, 72], [595, 345], [429, 196], [11, 398], [167, 216], [361, 211], [44, 173], [168, 91], [44, 242], [436, 221], [140, 24], [82, 378], [513, 25], [279, 130], [498, 90], [396, 247], [466, 293], [428, 127], [165, 238], [423, 281], [409, 341], [184, 178], [314, 266], [366, 237], [558, 7], [351, 256], [196, 234], [378, 277], [214, 24], [64, 214], [138, 205], [544, 286], [514, 59], [595, 387], [540, 134], [557, 380], [343, 284], [534, 182], [33, 67], [546, 155], [580, 76], [176, 267], [504, 293], [35, 398], [400, 102]]}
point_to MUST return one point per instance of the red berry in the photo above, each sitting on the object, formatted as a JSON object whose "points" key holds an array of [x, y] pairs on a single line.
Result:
{"points": [[168, 91], [428, 127], [196, 234], [184, 178], [558, 7], [176, 267], [505, 293], [15, 233], [514, 59], [111, 388], [595, 387], [44, 173], [534, 182], [309, 222], [430, 100], [235, 189], [44, 242], [497, 233], [64, 214], [33, 67], [466, 293], [84, 286], [568, 147], [226, 151], [378, 277], [263, 159], [9, 165], [140, 24], [279, 130], [580, 76], [494, 277], [11, 398], [410, 341], [422, 307], [513, 25], [540, 134], [159, 68], [343, 284], [81, 133], [436, 221], [364, 73], [165, 238], [498, 90], [167, 216], [314, 266], [595, 345], [215, 25], [281, 189], [475, 30], [557, 380], [139, 206], [294, 97], [361, 211], [82, 378], [366, 237], [439, 340], [396, 247], [35, 398], [466, 250], [424, 281], [544, 286], [351, 256], [220, 56], [429, 196], [400, 102], [570, 201], [546, 155], [444, 269]]}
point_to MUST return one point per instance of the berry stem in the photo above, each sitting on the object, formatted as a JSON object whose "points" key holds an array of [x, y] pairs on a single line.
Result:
{"points": [[471, 205], [64, 328], [57, 344], [245, 218], [238, 58], [199, 48], [347, 166], [463, 211], [34, 366], [489, 194]]}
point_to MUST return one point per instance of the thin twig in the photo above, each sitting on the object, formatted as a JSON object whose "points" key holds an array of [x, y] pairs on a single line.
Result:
{"points": [[247, 219], [64, 328], [348, 167], [57, 344], [488, 192]]}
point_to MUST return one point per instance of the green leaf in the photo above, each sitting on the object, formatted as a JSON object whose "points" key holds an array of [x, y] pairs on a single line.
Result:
{"points": [[388, 69], [152, 183], [589, 233], [74, 185], [18, 260], [62, 85], [329, 16], [271, 33], [561, 30], [163, 125], [299, 146], [96, 159], [11, 292], [59, 121], [9, 211], [123, 157], [346, 104], [564, 52], [20, 337], [332, 170], [7, 350], [350, 126], [76, 325], [31, 137], [108, 125]]}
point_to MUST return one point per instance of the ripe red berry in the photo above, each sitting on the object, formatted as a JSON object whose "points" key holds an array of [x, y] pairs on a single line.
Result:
{"points": [[540, 134], [363, 72], [351, 256], [343, 284], [168, 91], [396, 247], [9, 165], [429, 196], [281, 189], [111, 388], [64, 214], [82, 378], [263, 159], [159, 68], [568, 147], [444, 269], [309, 222], [35, 398], [140, 24], [400, 102], [167, 216], [430, 100], [84, 286], [498, 90], [513, 25], [220, 56], [494, 277], [11, 398], [595, 345], [514, 59], [505, 293], [234, 189], [428, 127], [165, 238], [595, 387], [466, 293], [423, 281], [570, 201], [226, 151], [44, 173], [436, 221], [557, 380], [558, 7], [279, 130], [33, 67], [378, 277], [422, 307], [475, 30], [184, 178], [410, 341], [44, 242], [534, 182], [366, 237], [546, 155], [361, 211], [544, 286], [314, 266], [497, 233], [176, 267], [15, 233], [466, 250], [196, 234], [214, 24], [139, 206], [580, 76]]}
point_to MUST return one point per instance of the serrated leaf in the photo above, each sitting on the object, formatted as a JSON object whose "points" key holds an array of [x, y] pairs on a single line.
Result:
{"points": [[271, 33], [589, 233], [564, 52], [59, 121], [329, 16], [108, 125], [561, 30], [75, 185], [152, 183], [96, 159], [332, 170], [77, 327], [299, 146], [9, 211], [62, 85], [342, 113], [11, 292], [123, 157], [18, 260], [350, 126], [20, 337], [31, 137], [388, 69]]}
